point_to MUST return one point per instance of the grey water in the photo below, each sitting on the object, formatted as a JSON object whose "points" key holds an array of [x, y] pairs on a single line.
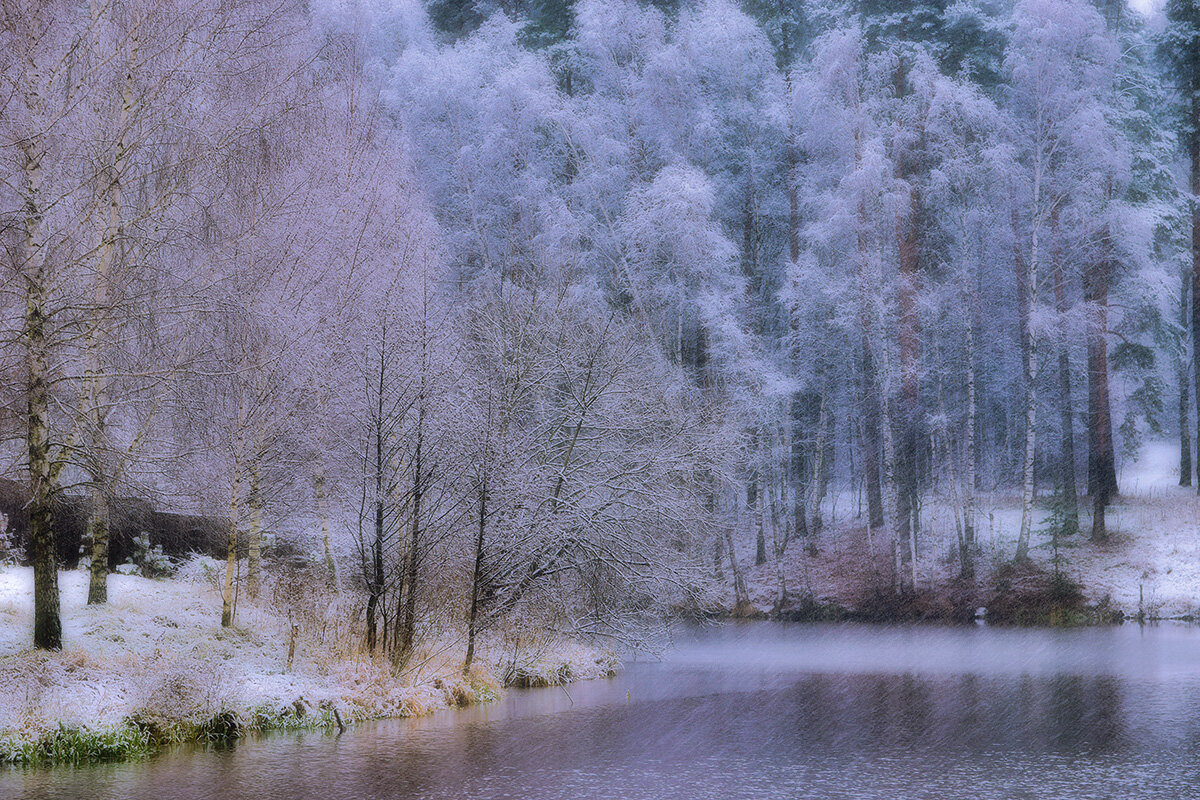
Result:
{"points": [[755, 711]]}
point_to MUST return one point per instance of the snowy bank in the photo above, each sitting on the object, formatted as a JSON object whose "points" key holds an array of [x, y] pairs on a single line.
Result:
{"points": [[1150, 564], [155, 663]]}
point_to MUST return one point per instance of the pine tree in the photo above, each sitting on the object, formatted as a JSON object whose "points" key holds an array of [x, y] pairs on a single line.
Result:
{"points": [[1180, 51]]}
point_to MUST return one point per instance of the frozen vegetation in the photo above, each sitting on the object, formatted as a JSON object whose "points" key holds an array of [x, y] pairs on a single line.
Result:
{"points": [[155, 660], [449, 331], [1150, 564]]}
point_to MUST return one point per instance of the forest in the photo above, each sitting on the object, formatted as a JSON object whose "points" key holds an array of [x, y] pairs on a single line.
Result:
{"points": [[546, 315]]}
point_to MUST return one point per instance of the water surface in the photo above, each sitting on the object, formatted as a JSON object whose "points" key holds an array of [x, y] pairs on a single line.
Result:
{"points": [[756, 711]]}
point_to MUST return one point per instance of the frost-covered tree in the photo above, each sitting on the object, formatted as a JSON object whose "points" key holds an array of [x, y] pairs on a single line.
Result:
{"points": [[1061, 63]]}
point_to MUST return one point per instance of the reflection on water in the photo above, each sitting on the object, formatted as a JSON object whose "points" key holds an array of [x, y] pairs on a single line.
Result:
{"points": [[760, 711]]}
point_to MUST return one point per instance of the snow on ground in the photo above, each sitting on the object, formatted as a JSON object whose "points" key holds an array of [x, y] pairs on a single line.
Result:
{"points": [[157, 649], [1155, 540], [1151, 561]]}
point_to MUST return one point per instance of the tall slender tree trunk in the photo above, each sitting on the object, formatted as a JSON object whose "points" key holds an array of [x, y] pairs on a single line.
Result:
{"points": [[98, 527], [322, 498], [741, 596], [907, 466], [1026, 289], [102, 477], [376, 584], [777, 492], [797, 466], [872, 434], [374, 575], [375, 590], [406, 619], [908, 455], [966, 562], [793, 158], [476, 575], [47, 624], [872, 397], [1181, 373], [254, 533], [1194, 152], [1069, 499], [1102, 477], [231, 549], [820, 479], [905, 580], [753, 507], [228, 609], [972, 437]]}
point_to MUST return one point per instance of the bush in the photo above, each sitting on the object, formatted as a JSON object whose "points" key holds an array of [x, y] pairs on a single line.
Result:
{"points": [[152, 562], [198, 568]]}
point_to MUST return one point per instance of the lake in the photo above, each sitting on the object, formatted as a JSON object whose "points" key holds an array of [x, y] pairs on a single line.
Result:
{"points": [[757, 711]]}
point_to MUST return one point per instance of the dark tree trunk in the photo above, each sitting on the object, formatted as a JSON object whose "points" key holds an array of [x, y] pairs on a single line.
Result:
{"points": [[476, 575], [908, 453], [824, 455], [872, 436], [1026, 287], [372, 626], [1194, 151], [375, 590], [910, 441], [752, 507], [406, 620], [47, 624], [798, 468], [1185, 434], [375, 583], [718, 557], [98, 536], [1066, 479], [1102, 475]]}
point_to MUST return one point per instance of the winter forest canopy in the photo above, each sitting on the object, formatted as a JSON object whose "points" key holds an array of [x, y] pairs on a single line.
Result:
{"points": [[547, 314]]}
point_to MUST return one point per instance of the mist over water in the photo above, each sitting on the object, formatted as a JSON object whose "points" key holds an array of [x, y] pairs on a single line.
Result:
{"points": [[763, 711]]}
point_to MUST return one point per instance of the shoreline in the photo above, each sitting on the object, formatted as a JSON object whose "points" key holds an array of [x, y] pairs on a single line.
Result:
{"points": [[138, 737], [133, 739], [1147, 567], [153, 668]]}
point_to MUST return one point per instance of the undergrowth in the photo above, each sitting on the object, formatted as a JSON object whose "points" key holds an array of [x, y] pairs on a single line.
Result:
{"points": [[142, 734], [138, 737], [77, 745]]}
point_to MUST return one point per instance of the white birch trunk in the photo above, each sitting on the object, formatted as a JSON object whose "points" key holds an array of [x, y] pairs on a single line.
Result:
{"points": [[97, 389], [1030, 400]]}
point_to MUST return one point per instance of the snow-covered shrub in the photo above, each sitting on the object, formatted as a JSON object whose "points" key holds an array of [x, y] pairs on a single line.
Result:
{"points": [[152, 562], [8, 550], [199, 568], [177, 699]]}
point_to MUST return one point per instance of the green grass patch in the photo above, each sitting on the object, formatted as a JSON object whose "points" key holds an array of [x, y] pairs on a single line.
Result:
{"points": [[140, 737], [77, 745]]}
